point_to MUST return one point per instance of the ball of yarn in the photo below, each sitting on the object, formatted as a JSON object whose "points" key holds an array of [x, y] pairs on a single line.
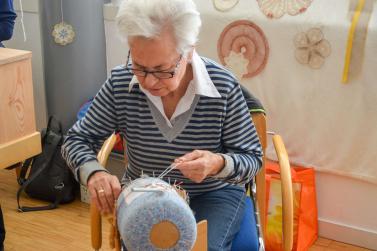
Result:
{"points": [[146, 216]]}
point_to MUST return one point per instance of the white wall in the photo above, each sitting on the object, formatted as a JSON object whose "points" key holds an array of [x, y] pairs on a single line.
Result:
{"points": [[33, 43], [116, 51], [347, 210]]}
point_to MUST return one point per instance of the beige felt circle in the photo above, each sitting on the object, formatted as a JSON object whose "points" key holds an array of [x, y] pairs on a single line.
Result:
{"points": [[247, 38], [164, 234]]}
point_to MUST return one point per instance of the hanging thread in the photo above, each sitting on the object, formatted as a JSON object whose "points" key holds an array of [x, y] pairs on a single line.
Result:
{"points": [[61, 10], [22, 20], [167, 170]]}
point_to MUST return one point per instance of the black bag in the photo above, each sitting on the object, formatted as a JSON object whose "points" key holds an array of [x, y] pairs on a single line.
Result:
{"points": [[50, 178]]}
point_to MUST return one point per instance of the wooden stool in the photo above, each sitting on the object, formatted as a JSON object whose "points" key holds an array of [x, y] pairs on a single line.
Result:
{"points": [[19, 139]]}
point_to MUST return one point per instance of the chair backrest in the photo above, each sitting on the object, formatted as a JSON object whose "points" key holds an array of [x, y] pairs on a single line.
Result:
{"points": [[260, 124], [259, 120]]}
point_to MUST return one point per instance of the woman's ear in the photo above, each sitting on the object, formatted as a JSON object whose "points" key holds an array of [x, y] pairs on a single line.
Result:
{"points": [[189, 55]]}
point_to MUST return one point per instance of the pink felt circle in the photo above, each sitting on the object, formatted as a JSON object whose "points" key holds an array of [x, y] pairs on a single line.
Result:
{"points": [[244, 34]]}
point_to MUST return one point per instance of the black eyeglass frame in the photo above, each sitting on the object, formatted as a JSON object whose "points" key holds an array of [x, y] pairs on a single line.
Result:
{"points": [[156, 74]]}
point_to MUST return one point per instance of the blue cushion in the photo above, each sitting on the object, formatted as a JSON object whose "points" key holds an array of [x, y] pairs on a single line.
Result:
{"points": [[247, 238]]}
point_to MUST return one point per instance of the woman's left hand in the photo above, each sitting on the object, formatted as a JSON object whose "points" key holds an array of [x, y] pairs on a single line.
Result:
{"points": [[199, 164]]}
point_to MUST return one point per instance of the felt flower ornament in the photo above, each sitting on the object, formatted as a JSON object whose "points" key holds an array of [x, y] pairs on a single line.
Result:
{"points": [[63, 33], [277, 8], [311, 48], [237, 63]]}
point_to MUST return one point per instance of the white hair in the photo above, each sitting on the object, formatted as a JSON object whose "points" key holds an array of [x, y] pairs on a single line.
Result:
{"points": [[149, 18]]}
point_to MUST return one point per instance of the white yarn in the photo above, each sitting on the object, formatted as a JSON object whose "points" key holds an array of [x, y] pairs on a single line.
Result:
{"points": [[22, 20], [61, 10]]}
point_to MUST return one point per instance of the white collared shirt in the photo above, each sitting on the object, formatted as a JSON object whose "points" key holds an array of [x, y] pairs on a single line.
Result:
{"points": [[201, 84]]}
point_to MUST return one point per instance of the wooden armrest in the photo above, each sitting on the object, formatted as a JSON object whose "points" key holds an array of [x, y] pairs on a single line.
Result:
{"points": [[95, 216], [286, 190]]}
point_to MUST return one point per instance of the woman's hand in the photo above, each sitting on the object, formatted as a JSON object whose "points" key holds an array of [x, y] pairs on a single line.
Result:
{"points": [[199, 164], [104, 189]]}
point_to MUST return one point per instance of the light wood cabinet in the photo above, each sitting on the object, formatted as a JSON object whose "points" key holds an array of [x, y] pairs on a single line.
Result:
{"points": [[19, 139]]}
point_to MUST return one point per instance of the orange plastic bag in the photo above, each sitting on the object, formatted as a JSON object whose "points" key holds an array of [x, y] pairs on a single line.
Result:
{"points": [[305, 226]]}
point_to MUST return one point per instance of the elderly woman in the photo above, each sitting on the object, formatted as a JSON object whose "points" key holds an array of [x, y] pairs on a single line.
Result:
{"points": [[171, 105]]}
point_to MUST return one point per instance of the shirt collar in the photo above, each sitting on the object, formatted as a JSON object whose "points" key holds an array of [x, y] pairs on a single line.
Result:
{"points": [[202, 82]]}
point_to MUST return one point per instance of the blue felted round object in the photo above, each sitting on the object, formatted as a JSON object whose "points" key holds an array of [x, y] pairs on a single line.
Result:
{"points": [[139, 211], [83, 109]]}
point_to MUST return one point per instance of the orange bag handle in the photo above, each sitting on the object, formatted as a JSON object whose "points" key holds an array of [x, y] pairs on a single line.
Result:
{"points": [[274, 168]]}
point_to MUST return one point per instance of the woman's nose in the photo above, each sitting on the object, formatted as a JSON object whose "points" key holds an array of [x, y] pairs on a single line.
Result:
{"points": [[150, 80]]}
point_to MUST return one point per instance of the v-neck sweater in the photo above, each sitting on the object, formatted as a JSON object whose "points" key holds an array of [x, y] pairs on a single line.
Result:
{"points": [[220, 125]]}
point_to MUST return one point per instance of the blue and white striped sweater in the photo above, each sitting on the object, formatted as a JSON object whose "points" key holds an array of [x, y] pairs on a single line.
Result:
{"points": [[220, 125]]}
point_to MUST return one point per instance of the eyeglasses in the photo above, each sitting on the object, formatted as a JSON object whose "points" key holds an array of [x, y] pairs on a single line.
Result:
{"points": [[156, 74]]}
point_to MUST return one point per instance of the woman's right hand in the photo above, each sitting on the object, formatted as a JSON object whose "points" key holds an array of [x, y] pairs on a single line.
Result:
{"points": [[104, 189]]}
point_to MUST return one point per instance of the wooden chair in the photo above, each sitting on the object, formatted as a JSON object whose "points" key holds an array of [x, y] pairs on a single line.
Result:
{"points": [[259, 120]]}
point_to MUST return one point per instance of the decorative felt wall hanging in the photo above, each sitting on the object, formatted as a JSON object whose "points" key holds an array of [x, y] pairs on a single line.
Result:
{"points": [[243, 48], [224, 5], [277, 8], [152, 215], [63, 33], [311, 48]]}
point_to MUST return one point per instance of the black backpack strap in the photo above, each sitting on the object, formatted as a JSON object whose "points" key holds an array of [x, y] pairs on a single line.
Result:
{"points": [[25, 166], [50, 206], [50, 152]]}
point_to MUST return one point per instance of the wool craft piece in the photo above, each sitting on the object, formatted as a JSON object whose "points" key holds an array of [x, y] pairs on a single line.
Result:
{"points": [[63, 32], [243, 48], [224, 5], [151, 215], [277, 8], [360, 12], [311, 48]]}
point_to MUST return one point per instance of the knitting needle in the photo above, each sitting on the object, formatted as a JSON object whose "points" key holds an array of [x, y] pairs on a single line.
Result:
{"points": [[146, 189], [167, 170]]}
